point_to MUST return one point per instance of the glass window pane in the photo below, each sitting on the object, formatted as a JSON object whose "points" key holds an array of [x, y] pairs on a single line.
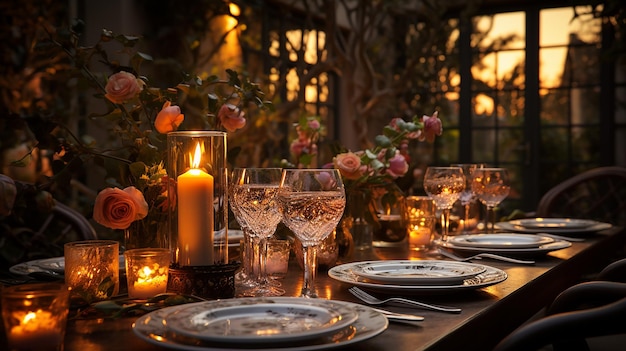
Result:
{"points": [[585, 106], [483, 145], [554, 107], [511, 108], [582, 66], [505, 30], [510, 145], [554, 145], [551, 64], [586, 144]]}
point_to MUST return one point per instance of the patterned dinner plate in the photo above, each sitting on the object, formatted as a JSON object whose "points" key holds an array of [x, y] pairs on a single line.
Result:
{"points": [[54, 264], [554, 225], [369, 323], [516, 251], [260, 322], [428, 272], [345, 273], [500, 240]]}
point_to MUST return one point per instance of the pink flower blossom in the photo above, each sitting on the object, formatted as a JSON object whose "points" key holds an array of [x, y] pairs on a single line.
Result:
{"points": [[168, 119], [397, 166], [314, 124], [231, 117], [432, 127], [122, 86], [117, 209]]}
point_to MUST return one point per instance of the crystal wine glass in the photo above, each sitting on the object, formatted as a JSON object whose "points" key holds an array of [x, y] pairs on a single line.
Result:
{"points": [[467, 196], [491, 186], [444, 185], [312, 203], [254, 196]]}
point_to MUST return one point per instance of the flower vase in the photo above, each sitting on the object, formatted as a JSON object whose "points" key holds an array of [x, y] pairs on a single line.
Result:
{"points": [[150, 232], [356, 228], [391, 228]]}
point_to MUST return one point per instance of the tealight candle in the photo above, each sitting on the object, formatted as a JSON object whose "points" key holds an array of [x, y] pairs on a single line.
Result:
{"points": [[35, 316], [147, 272], [421, 218]]}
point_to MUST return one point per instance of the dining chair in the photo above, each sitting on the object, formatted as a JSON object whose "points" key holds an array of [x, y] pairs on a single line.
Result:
{"points": [[586, 316], [599, 194]]}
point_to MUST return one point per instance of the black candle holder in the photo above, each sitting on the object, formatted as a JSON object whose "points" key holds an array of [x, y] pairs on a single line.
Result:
{"points": [[208, 282]]}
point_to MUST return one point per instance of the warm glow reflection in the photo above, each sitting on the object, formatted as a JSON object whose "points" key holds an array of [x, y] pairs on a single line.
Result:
{"points": [[483, 105]]}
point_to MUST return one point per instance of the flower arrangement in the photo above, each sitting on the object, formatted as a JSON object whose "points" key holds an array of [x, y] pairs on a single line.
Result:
{"points": [[141, 116], [388, 158], [137, 115]]}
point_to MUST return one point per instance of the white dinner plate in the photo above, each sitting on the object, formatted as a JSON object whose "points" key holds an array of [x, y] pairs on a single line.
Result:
{"points": [[369, 323], [260, 322], [553, 223], [55, 264], [426, 272], [345, 273], [500, 240], [515, 226], [530, 251]]}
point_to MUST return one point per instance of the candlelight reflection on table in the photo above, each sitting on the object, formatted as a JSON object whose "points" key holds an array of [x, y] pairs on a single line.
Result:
{"points": [[35, 316]]}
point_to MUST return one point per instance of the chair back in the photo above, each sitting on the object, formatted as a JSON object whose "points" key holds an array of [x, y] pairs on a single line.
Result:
{"points": [[598, 194]]}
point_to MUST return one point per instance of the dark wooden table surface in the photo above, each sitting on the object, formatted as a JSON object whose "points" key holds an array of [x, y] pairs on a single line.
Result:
{"points": [[488, 314]]}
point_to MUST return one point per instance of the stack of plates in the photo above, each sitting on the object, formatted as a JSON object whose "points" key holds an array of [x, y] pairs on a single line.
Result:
{"points": [[553, 225], [504, 243], [276, 323], [424, 276]]}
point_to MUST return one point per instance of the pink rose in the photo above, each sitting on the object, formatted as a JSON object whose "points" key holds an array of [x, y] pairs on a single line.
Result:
{"points": [[432, 127], [349, 165], [117, 209], [122, 86], [231, 117], [8, 192], [297, 147], [168, 119], [313, 124], [326, 180], [397, 166]]}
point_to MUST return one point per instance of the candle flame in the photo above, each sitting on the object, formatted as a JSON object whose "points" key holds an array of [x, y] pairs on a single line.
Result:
{"points": [[28, 317], [195, 160]]}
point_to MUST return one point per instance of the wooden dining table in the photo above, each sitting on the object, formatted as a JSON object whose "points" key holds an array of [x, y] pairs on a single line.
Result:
{"points": [[488, 313]]}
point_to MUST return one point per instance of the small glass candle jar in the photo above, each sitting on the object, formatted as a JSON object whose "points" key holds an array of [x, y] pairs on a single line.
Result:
{"points": [[92, 269], [35, 316], [277, 258], [420, 214], [146, 272]]}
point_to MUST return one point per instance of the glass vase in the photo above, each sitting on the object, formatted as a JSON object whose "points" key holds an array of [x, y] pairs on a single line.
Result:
{"points": [[150, 232], [391, 228]]}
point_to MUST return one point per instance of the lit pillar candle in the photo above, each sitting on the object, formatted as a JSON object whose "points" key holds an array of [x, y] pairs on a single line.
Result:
{"points": [[195, 215]]}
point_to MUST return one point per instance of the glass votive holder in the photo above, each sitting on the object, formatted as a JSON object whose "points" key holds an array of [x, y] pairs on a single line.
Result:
{"points": [[146, 272], [92, 269], [421, 233], [35, 316], [277, 258], [421, 218]]}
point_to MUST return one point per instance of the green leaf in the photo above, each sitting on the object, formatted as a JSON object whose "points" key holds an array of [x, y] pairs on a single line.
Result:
{"points": [[382, 141]]}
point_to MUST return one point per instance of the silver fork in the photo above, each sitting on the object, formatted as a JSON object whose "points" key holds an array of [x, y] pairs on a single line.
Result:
{"points": [[369, 299], [484, 255]]}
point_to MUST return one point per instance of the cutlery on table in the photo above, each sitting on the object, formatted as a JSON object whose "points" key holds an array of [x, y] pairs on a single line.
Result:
{"points": [[369, 299], [399, 317], [484, 255]]}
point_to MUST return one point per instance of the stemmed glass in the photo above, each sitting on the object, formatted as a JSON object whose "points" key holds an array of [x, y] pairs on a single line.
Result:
{"points": [[444, 185], [256, 208], [467, 196], [312, 203], [491, 186]]}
